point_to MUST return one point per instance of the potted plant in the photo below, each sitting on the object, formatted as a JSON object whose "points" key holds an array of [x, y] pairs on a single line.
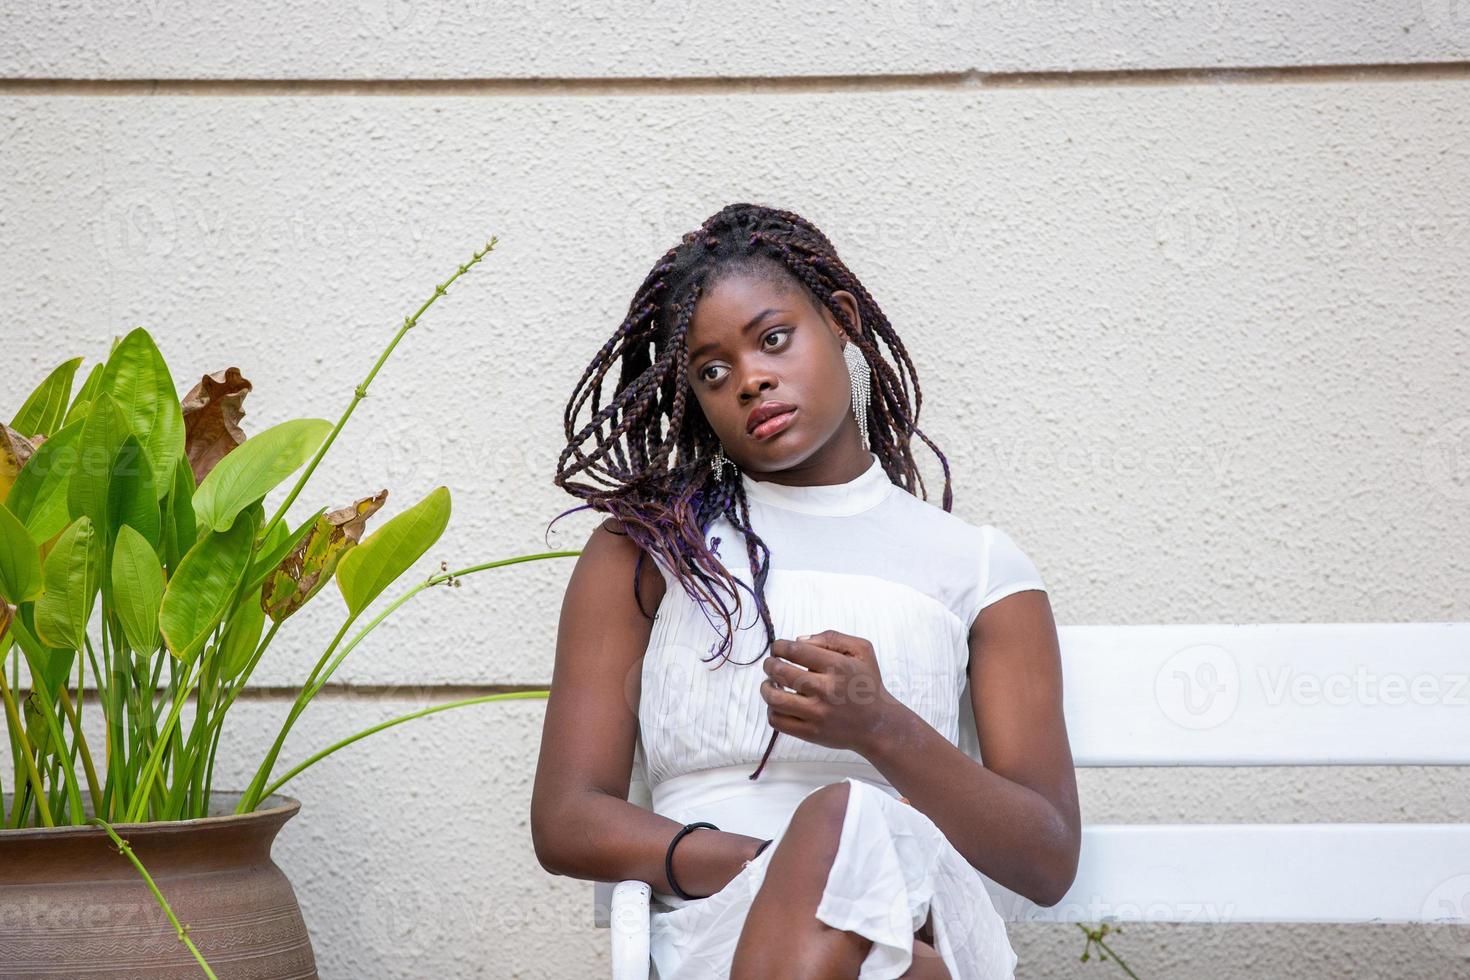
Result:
{"points": [[137, 560]]}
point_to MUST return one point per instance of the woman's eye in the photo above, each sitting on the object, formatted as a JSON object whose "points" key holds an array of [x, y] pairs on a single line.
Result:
{"points": [[704, 373]]}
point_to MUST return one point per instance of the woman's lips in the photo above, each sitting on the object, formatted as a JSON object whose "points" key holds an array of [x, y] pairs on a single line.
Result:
{"points": [[773, 425]]}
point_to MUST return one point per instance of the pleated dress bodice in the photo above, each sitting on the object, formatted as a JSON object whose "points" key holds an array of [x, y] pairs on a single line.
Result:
{"points": [[864, 557]]}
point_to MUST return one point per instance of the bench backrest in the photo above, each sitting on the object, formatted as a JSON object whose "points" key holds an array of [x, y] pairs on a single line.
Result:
{"points": [[1256, 695]]}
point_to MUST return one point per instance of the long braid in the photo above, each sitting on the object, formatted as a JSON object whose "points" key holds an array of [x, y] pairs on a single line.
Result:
{"points": [[656, 479]]}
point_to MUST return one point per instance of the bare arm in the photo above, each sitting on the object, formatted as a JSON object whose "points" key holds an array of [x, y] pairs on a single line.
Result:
{"points": [[1015, 818], [582, 824]]}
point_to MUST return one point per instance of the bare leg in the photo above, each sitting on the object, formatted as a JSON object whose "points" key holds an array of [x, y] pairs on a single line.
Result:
{"points": [[782, 936], [927, 964]]}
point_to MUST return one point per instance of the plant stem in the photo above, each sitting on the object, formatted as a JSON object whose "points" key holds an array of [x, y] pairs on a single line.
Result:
{"points": [[508, 696], [1096, 936], [313, 685], [33, 651], [360, 392], [117, 768], [433, 580], [209, 770], [93, 789], [150, 767], [217, 721], [252, 792], [182, 931], [18, 732], [21, 780]]}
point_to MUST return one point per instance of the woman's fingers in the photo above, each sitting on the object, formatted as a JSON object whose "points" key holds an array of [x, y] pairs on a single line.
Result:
{"points": [[788, 675]]}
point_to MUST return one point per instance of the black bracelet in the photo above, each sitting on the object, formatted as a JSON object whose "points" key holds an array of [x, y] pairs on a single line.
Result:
{"points": [[761, 848], [669, 858]]}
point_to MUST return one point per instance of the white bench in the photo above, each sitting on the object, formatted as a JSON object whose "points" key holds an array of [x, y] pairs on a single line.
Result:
{"points": [[1227, 695]]}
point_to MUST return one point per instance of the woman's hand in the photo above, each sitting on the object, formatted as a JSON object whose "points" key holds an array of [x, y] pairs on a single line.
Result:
{"points": [[838, 700]]}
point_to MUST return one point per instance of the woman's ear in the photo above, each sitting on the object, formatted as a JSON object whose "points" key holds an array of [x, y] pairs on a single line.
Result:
{"points": [[849, 305]]}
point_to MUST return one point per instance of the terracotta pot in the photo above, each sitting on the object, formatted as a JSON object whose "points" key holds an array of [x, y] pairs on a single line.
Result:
{"points": [[72, 905]]}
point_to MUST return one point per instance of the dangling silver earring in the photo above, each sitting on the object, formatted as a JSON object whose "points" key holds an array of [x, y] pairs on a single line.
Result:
{"points": [[861, 376], [718, 462]]}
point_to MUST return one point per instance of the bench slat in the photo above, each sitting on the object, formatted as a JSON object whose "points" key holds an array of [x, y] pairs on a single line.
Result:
{"points": [[1263, 695], [1303, 872]]}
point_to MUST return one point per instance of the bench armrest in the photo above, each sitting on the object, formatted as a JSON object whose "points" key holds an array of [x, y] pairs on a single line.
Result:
{"points": [[629, 912]]}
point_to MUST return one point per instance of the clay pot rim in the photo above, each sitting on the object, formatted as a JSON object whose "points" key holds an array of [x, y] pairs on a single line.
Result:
{"points": [[284, 810]]}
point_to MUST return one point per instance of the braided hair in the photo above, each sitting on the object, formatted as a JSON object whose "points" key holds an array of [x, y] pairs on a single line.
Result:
{"points": [[654, 477]]}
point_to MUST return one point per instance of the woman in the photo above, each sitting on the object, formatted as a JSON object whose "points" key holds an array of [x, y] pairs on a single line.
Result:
{"points": [[758, 442]]}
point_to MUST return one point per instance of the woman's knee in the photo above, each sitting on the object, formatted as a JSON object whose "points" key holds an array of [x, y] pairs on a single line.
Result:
{"points": [[823, 810], [813, 834], [927, 964]]}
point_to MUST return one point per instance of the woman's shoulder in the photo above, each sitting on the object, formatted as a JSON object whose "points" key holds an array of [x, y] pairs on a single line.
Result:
{"points": [[611, 551], [940, 528], [982, 554]]}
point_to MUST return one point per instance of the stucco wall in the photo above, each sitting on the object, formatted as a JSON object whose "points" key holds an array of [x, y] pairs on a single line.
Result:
{"points": [[1186, 286]]}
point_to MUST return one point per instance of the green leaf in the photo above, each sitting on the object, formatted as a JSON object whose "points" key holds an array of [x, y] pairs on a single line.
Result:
{"points": [[138, 380], [82, 403], [180, 530], [137, 589], [20, 561], [130, 496], [255, 468], [72, 574], [39, 495], [46, 407], [242, 634], [366, 570], [89, 490], [198, 595]]}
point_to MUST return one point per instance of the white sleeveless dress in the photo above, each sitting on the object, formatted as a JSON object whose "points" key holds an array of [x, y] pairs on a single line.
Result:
{"points": [[866, 558]]}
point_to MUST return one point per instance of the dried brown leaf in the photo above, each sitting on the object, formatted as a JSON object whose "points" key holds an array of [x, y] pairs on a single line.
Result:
{"points": [[212, 412], [310, 565], [15, 449]]}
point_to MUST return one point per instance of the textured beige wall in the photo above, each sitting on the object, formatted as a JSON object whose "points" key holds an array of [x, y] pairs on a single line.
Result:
{"points": [[1186, 286]]}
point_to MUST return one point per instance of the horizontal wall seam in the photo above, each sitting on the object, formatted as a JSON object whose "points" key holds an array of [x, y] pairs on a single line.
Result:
{"points": [[429, 693], [776, 85]]}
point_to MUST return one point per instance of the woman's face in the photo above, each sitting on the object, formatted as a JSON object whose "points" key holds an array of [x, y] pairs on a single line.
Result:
{"points": [[755, 343]]}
